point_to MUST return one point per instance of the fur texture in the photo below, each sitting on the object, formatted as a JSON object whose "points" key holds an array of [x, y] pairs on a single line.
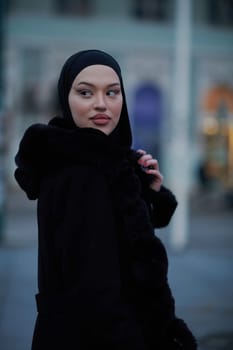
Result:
{"points": [[106, 271]]}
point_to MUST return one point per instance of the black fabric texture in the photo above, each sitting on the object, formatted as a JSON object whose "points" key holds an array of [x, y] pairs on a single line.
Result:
{"points": [[114, 242], [102, 271]]}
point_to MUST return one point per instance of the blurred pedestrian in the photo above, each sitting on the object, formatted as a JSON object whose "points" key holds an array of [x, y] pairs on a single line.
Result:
{"points": [[102, 272]]}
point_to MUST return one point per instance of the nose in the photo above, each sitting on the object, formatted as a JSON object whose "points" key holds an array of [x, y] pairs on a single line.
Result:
{"points": [[100, 103]]}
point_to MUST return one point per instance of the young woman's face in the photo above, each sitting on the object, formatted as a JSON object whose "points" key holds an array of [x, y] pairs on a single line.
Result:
{"points": [[95, 98]]}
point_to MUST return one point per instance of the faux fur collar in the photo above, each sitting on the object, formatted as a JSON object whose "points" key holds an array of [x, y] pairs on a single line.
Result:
{"points": [[47, 147]]}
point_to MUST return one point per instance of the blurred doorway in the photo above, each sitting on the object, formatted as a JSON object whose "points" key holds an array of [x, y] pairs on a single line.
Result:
{"points": [[147, 114]]}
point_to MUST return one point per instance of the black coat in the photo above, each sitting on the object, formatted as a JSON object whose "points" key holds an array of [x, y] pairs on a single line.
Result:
{"points": [[102, 273]]}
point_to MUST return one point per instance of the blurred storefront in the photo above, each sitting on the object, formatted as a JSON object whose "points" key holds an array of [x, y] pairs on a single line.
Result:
{"points": [[140, 33], [217, 138]]}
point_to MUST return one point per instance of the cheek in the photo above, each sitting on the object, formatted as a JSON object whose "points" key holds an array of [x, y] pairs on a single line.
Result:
{"points": [[77, 106], [71, 102], [116, 108]]}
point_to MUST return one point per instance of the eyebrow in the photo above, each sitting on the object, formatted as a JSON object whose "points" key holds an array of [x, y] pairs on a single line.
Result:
{"points": [[92, 85]]}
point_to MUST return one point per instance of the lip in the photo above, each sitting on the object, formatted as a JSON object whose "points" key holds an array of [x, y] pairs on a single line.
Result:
{"points": [[100, 119], [100, 116]]}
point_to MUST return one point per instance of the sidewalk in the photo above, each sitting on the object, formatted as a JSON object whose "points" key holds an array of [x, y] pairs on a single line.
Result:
{"points": [[201, 278]]}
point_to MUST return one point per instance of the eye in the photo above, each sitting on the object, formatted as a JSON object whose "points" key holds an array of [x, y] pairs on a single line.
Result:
{"points": [[85, 92], [113, 93]]}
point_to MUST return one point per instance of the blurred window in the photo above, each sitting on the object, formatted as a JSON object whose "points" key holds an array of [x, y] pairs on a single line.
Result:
{"points": [[31, 63], [74, 7], [147, 116], [29, 99], [27, 7], [31, 77], [156, 10], [220, 12], [6, 6]]}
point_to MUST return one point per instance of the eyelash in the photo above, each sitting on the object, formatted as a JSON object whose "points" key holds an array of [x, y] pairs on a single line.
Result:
{"points": [[89, 93], [85, 93], [116, 92]]}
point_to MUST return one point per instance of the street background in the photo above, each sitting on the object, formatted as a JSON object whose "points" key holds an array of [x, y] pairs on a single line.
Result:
{"points": [[200, 276], [177, 62]]}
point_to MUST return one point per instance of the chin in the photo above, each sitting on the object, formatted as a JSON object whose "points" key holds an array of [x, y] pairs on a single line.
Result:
{"points": [[105, 130]]}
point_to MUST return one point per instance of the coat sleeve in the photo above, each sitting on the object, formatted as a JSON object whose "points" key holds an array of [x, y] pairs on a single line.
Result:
{"points": [[87, 246], [162, 205]]}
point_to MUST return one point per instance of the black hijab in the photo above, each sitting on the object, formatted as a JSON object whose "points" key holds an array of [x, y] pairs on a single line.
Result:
{"points": [[72, 67]]}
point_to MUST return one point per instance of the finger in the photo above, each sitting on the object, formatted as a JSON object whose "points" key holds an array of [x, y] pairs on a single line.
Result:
{"points": [[158, 176], [156, 173], [144, 159], [152, 163], [141, 151]]}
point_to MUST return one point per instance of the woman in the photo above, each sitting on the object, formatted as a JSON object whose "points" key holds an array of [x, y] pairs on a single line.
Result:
{"points": [[102, 272]]}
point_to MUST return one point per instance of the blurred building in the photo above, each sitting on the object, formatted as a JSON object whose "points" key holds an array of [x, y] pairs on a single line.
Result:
{"points": [[140, 33]]}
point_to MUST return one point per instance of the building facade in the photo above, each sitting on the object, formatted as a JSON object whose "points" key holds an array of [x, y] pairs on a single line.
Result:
{"points": [[141, 35]]}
